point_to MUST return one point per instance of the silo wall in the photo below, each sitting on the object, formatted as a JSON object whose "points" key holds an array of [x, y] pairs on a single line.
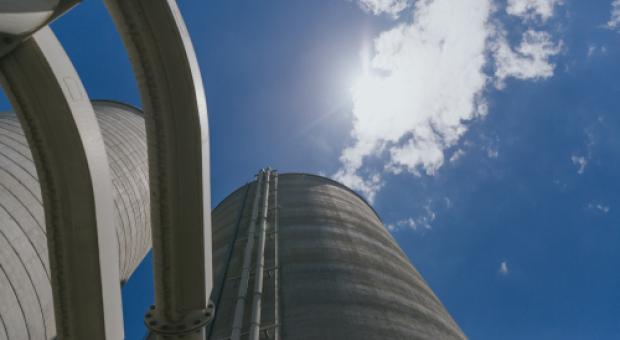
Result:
{"points": [[332, 270]]}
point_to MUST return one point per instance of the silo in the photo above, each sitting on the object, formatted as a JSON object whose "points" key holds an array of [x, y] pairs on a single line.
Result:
{"points": [[26, 310], [321, 266]]}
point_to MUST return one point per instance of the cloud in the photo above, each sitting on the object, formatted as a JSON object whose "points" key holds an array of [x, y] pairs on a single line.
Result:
{"points": [[614, 21], [503, 268], [492, 152], [391, 7], [603, 208], [530, 60], [581, 159], [420, 223], [594, 50], [457, 155], [425, 82], [422, 85], [581, 163], [532, 9]]}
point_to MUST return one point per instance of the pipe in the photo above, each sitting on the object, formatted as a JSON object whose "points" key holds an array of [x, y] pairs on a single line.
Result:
{"points": [[247, 257], [276, 257], [260, 267], [175, 111], [72, 167]]}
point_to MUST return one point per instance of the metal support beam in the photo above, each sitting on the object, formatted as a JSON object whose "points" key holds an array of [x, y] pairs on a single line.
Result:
{"points": [[276, 259], [72, 167], [260, 265], [175, 110], [247, 259]]}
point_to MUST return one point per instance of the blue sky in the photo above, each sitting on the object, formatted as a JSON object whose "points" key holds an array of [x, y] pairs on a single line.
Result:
{"points": [[485, 132]]}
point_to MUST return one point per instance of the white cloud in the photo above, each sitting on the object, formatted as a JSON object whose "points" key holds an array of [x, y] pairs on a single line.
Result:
{"points": [[457, 155], [530, 60], [420, 223], [503, 268], [581, 163], [425, 82], [391, 7], [591, 50], [492, 153], [594, 50], [614, 21], [603, 208], [531, 9]]}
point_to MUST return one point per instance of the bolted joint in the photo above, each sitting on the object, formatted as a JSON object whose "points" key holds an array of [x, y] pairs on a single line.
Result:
{"points": [[192, 322]]}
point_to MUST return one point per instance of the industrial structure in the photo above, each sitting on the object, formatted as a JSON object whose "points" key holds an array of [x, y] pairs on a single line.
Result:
{"points": [[299, 256], [26, 311], [87, 188]]}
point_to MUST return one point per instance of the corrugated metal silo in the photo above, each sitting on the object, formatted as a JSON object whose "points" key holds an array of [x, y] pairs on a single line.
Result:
{"points": [[330, 269], [26, 307]]}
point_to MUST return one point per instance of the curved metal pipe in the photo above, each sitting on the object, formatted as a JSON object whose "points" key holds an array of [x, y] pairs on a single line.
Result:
{"points": [[175, 110], [69, 154]]}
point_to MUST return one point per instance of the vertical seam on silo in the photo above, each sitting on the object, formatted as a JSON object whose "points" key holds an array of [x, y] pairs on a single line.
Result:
{"points": [[16, 141], [15, 149], [139, 136], [12, 120], [16, 298], [118, 235], [113, 144], [127, 142], [117, 188], [6, 333], [29, 279], [19, 226], [19, 180], [229, 258], [19, 165]]}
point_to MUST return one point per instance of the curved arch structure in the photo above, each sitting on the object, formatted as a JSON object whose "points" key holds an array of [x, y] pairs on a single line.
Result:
{"points": [[178, 146], [68, 151]]}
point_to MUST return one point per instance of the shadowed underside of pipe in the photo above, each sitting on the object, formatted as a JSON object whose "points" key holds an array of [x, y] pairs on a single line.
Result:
{"points": [[26, 307], [332, 270]]}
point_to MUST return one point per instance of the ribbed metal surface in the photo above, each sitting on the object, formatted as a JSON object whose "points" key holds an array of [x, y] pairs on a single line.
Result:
{"points": [[340, 274], [26, 309]]}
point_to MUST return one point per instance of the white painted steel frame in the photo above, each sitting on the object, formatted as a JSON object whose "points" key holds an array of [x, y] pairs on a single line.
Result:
{"points": [[67, 146], [178, 146]]}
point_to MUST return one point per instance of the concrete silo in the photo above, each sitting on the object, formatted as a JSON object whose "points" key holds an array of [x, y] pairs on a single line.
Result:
{"points": [[26, 307], [299, 256]]}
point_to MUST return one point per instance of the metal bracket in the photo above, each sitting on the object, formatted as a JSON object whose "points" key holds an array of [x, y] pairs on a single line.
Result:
{"points": [[194, 321]]}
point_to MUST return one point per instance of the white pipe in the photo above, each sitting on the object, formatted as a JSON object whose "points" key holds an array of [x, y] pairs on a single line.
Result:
{"points": [[276, 256], [260, 267], [247, 258]]}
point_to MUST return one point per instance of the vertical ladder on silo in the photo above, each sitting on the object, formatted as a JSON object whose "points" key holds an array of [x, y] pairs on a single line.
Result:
{"points": [[264, 217]]}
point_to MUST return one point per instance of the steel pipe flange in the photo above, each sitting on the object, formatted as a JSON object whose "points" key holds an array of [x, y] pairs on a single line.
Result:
{"points": [[194, 321]]}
